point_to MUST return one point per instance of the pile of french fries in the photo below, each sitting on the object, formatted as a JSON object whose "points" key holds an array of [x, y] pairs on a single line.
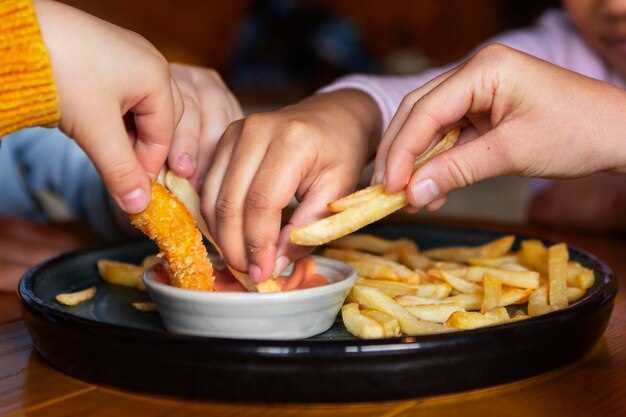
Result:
{"points": [[401, 290]]}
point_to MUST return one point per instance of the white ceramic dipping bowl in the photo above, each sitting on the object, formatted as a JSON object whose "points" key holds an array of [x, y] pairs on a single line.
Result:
{"points": [[293, 314]]}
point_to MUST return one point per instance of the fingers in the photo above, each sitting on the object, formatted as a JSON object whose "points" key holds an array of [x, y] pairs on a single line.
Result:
{"points": [[156, 117], [330, 185], [398, 121], [273, 187], [458, 167], [109, 147], [184, 153]]}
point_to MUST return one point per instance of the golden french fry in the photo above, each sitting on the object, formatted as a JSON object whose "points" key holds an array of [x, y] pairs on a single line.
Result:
{"points": [[470, 320], [436, 313], [494, 249], [579, 276], [269, 285], [499, 313], [391, 327], [347, 255], [457, 283], [373, 244], [394, 288], [75, 298], [447, 266], [468, 301], [586, 279], [414, 260], [521, 279], [557, 275], [511, 295], [519, 315], [144, 306], [373, 270], [355, 199], [360, 325], [377, 300], [121, 273], [496, 262], [492, 293], [574, 294], [538, 302], [358, 216], [534, 255]]}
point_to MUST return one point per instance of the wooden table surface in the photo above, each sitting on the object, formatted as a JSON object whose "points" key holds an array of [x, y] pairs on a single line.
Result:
{"points": [[594, 386]]}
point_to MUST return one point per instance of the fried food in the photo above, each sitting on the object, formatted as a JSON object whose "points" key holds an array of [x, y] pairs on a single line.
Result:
{"points": [[121, 273], [75, 298], [167, 221], [365, 206], [468, 287]]}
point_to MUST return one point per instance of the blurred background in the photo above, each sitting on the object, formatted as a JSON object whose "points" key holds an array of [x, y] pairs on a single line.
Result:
{"points": [[273, 52]]}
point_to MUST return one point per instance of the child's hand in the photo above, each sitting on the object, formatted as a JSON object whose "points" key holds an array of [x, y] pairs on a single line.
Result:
{"points": [[209, 108], [314, 150], [523, 116], [117, 98]]}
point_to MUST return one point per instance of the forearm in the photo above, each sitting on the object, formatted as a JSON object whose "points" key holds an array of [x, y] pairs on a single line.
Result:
{"points": [[28, 96]]}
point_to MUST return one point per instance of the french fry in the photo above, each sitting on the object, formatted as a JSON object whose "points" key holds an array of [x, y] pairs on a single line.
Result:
{"points": [[436, 313], [492, 293], [579, 276], [269, 285], [468, 301], [586, 279], [494, 249], [519, 315], [360, 215], [121, 273], [144, 306], [538, 302], [447, 265], [470, 320], [574, 294], [347, 255], [414, 260], [373, 244], [534, 255], [521, 279], [391, 327], [75, 298], [360, 325], [557, 275], [377, 300], [458, 283], [374, 270], [391, 256], [511, 295], [494, 262], [499, 313], [355, 199], [394, 289]]}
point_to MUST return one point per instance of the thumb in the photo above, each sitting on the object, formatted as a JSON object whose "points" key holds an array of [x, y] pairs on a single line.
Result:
{"points": [[465, 164], [107, 144]]}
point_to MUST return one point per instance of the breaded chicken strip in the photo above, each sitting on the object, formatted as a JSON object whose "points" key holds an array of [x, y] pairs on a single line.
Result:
{"points": [[168, 222]]}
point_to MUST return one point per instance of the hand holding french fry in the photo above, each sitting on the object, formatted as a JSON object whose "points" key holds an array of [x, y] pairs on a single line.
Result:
{"points": [[520, 116]]}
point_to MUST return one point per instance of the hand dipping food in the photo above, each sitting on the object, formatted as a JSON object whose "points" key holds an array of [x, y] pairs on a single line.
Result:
{"points": [[295, 313]]}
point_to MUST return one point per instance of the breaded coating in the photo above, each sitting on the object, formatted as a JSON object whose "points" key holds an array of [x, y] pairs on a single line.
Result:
{"points": [[168, 222]]}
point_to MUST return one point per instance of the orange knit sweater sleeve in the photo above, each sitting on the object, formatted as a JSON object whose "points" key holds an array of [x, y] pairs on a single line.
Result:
{"points": [[28, 95]]}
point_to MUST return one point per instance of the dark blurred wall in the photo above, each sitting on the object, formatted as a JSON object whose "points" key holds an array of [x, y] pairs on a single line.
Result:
{"points": [[203, 31]]}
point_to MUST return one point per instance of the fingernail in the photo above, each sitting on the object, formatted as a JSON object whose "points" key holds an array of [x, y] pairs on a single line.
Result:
{"points": [[280, 265], [424, 192], [185, 162], [135, 201], [255, 273]]}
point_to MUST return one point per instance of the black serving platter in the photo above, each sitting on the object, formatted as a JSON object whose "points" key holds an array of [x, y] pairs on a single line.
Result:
{"points": [[106, 341]]}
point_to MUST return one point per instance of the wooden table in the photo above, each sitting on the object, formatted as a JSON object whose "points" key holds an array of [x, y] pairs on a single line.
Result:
{"points": [[594, 386]]}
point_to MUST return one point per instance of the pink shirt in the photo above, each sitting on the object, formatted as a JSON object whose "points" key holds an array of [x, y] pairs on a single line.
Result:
{"points": [[554, 38]]}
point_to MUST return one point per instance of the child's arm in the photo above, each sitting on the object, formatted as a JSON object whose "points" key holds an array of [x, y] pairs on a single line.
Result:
{"points": [[553, 38], [522, 116]]}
